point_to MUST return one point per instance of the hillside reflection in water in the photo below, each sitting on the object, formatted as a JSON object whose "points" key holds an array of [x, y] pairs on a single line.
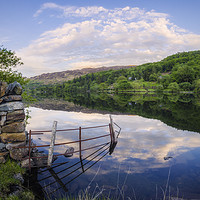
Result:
{"points": [[137, 167]]}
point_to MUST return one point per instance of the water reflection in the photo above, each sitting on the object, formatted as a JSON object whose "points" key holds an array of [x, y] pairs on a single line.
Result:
{"points": [[180, 111], [137, 168]]}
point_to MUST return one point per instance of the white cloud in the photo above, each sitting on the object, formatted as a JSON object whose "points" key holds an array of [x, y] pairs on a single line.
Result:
{"points": [[99, 36]]}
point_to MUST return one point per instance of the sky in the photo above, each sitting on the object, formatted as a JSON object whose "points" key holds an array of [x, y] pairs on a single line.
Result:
{"points": [[59, 35]]}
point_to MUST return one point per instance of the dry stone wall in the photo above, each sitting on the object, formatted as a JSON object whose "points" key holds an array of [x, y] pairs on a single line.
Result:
{"points": [[12, 122]]}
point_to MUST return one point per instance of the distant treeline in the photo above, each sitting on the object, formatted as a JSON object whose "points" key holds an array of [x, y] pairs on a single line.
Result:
{"points": [[181, 111], [179, 72]]}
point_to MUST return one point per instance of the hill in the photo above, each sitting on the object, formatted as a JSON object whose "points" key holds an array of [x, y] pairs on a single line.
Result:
{"points": [[178, 72], [57, 77]]}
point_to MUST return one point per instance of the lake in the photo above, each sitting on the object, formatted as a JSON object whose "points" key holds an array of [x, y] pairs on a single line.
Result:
{"points": [[156, 157]]}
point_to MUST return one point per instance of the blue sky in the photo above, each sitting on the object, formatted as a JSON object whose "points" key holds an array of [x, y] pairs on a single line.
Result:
{"points": [[63, 35]]}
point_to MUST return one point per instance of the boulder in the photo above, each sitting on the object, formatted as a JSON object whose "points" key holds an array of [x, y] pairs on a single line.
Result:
{"points": [[25, 163], [13, 137], [3, 87], [19, 153], [17, 115], [69, 152], [16, 127], [14, 89], [42, 159], [11, 106]]}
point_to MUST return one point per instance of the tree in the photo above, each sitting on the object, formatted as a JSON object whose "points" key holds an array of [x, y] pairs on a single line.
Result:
{"points": [[185, 86], [153, 77], [184, 73], [174, 87], [8, 61]]}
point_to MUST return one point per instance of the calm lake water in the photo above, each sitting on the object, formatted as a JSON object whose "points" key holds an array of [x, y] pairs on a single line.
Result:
{"points": [[151, 160]]}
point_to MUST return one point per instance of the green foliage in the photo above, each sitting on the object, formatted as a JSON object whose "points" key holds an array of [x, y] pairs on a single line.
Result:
{"points": [[184, 73], [197, 85], [174, 87], [7, 172], [8, 61], [186, 86]]}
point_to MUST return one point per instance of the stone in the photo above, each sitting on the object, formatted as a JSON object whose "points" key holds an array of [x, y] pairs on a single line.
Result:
{"points": [[14, 88], [1, 100], [19, 153], [16, 191], [19, 177], [13, 137], [4, 153], [10, 146], [42, 160], [3, 87], [2, 147], [12, 98], [25, 163], [69, 152], [2, 160], [2, 118], [17, 115], [16, 127], [10, 106]]}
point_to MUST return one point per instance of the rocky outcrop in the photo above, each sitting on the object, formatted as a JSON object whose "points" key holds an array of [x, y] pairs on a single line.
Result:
{"points": [[12, 122]]}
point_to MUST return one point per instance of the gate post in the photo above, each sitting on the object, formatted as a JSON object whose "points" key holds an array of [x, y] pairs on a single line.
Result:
{"points": [[51, 147], [80, 149], [112, 132]]}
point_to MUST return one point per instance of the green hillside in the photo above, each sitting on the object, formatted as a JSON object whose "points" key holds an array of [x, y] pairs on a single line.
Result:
{"points": [[178, 72]]}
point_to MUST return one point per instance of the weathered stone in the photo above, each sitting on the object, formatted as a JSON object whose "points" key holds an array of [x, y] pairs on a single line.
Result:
{"points": [[10, 146], [2, 147], [4, 153], [3, 113], [2, 160], [2, 120], [1, 100], [13, 137], [69, 152], [19, 177], [3, 87], [25, 163], [18, 154], [17, 115], [12, 98], [10, 106], [16, 127], [14, 88], [42, 160]]}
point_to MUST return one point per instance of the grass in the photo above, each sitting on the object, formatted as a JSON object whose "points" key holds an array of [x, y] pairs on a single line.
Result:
{"points": [[7, 180]]}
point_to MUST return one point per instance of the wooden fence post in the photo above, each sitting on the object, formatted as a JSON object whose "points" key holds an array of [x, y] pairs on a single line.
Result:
{"points": [[29, 145], [51, 148], [80, 149], [112, 132]]}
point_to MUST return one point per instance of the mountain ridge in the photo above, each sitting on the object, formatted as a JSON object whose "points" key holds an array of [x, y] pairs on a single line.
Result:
{"points": [[62, 76]]}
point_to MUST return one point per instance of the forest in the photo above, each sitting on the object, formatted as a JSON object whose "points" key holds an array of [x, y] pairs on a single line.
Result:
{"points": [[175, 73]]}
